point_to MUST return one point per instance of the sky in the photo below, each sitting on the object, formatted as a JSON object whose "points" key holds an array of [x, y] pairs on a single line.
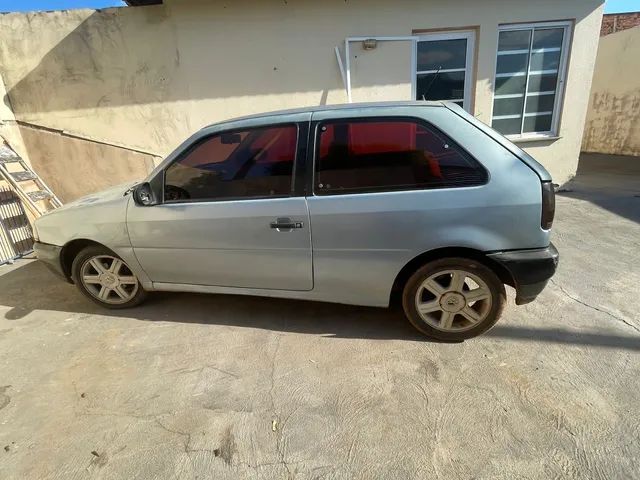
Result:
{"points": [[611, 6], [615, 6], [30, 5]]}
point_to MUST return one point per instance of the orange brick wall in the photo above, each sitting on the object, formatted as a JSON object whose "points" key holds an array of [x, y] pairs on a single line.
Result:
{"points": [[616, 22]]}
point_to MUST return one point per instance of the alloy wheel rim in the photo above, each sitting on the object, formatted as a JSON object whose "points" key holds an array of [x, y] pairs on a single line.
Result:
{"points": [[108, 279], [453, 300]]}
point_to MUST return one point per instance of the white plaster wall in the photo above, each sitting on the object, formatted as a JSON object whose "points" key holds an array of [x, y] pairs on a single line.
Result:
{"points": [[148, 77]]}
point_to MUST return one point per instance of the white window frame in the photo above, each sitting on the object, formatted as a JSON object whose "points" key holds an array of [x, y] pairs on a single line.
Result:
{"points": [[560, 86], [469, 77], [345, 69], [470, 35]]}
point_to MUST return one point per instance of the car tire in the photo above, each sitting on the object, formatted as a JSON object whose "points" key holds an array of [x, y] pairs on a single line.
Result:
{"points": [[103, 277], [453, 299]]}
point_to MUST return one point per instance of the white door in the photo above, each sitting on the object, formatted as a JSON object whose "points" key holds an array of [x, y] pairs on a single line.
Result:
{"points": [[382, 73], [444, 67]]}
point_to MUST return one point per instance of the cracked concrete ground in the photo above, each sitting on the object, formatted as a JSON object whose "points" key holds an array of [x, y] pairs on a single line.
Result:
{"points": [[196, 386]]}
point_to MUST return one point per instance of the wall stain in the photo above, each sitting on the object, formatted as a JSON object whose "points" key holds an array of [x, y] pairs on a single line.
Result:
{"points": [[613, 124], [227, 447], [99, 459], [4, 398]]}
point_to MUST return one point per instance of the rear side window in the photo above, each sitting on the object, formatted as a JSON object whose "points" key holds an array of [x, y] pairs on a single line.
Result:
{"points": [[376, 155], [254, 163]]}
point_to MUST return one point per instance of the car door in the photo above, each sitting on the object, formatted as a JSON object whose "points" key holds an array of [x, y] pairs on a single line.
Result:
{"points": [[386, 188], [229, 215]]}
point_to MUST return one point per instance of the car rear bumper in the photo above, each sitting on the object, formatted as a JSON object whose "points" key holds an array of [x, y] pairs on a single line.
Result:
{"points": [[530, 270], [50, 256]]}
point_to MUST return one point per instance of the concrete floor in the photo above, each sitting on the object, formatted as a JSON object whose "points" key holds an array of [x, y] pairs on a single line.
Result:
{"points": [[195, 386]]}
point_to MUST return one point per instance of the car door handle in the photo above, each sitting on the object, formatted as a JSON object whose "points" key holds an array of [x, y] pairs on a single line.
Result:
{"points": [[285, 224]]}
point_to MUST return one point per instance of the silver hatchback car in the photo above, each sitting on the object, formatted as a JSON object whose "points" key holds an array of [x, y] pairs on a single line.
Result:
{"points": [[359, 204]]}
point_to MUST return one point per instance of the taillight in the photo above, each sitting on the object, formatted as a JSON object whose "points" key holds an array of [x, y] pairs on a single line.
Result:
{"points": [[548, 205]]}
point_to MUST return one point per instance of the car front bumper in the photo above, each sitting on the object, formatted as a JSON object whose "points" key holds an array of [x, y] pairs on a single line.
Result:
{"points": [[50, 256], [530, 270]]}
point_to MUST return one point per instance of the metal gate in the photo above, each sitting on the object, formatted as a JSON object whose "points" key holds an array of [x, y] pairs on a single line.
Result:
{"points": [[16, 236]]}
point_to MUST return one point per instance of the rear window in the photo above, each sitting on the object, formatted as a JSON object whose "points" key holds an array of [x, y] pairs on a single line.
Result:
{"points": [[376, 155]]}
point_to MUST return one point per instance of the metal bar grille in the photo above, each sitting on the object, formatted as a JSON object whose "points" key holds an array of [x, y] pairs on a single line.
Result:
{"points": [[16, 236]]}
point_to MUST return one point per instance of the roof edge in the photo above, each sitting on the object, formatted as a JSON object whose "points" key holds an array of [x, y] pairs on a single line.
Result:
{"points": [[331, 107]]}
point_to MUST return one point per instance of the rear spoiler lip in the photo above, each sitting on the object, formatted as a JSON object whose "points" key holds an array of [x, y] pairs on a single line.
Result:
{"points": [[531, 162]]}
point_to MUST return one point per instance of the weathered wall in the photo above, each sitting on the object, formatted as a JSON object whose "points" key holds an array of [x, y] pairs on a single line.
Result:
{"points": [[147, 77], [76, 167], [9, 130], [613, 118], [71, 166], [10, 133]]}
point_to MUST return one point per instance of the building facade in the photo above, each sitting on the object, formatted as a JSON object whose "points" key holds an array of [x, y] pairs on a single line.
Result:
{"points": [[108, 92]]}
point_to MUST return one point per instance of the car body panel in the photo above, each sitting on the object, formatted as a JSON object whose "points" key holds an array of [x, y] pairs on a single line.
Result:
{"points": [[352, 246], [361, 241], [224, 243], [99, 218], [531, 162]]}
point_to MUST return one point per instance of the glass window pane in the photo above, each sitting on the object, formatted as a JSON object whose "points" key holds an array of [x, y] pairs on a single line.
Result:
{"points": [[443, 54], [548, 38], [508, 126], [359, 156], [542, 83], [514, 40], [252, 163], [443, 86], [545, 61], [545, 55], [508, 106], [539, 123], [512, 63], [510, 85], [214, 150], [540, 103]]}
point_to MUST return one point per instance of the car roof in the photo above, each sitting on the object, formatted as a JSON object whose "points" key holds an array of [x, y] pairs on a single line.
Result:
{"points": [[329, 108]]}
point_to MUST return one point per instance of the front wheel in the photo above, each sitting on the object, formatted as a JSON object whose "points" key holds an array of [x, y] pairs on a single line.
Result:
{"points": [[106, 279], [453, 299]]}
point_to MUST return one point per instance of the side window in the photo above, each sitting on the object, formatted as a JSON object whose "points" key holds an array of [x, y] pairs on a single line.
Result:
{"points": [[251, 163], [530, 71], [362, 155]]}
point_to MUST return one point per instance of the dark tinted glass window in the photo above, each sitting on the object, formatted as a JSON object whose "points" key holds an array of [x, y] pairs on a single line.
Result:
{"points": [[442, 54], [389, 155], [251, 163], [441, 86]]}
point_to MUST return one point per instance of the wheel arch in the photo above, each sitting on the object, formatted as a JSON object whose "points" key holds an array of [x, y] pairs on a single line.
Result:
{"points": [[70, 251], [462, 252]]}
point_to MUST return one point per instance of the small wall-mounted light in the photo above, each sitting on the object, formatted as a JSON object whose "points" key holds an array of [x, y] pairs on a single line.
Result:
{"points": [[369, 44]]}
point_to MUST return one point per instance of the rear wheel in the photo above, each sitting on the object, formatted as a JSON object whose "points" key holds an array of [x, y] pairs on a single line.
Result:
{"points": [[106, 279], [453, 299]]}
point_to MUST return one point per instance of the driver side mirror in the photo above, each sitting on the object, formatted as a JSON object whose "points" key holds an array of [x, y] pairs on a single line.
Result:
{"points": [[143, 195]]}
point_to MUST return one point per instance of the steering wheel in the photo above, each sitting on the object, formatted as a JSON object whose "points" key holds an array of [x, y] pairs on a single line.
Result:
{"points": [[171, 192]]}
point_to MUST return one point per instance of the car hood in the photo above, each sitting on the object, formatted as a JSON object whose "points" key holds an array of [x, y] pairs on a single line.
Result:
{"points": [[99, 217], [99, 197]]}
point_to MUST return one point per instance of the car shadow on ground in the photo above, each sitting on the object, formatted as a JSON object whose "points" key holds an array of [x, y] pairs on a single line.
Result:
{"points": [[29, 286]]}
